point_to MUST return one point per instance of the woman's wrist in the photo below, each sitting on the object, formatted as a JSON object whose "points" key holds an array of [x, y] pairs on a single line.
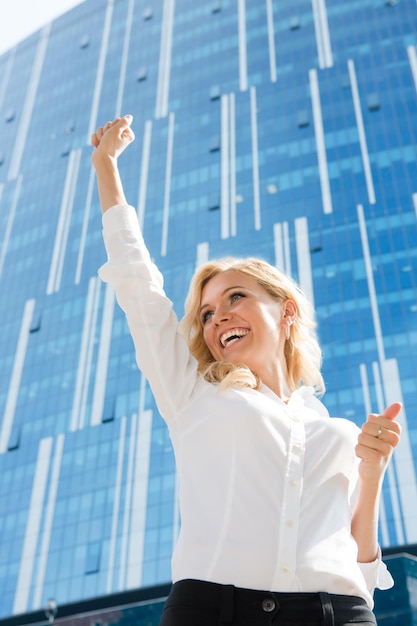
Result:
{"points": [[110, 187]]}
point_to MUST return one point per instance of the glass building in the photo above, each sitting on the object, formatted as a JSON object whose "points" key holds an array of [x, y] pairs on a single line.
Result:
{"points": [[284, 130]]}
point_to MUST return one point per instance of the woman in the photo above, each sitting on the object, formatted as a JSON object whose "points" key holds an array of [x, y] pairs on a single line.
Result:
{"points": [[279, 503]]}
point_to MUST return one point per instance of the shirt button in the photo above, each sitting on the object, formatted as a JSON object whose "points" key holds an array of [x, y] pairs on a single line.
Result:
{"points": [[286, 569], [294, 483], [289, 523], [268, 605]]}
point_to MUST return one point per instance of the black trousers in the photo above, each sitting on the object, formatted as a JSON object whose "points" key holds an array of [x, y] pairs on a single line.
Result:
{"points": [[198, 603]]}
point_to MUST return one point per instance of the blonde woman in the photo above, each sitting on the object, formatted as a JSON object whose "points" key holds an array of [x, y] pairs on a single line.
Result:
{"points": [[278, 501]]}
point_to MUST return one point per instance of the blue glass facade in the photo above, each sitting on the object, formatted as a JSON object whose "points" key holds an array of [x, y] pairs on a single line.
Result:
{"points": [[280, 130]]}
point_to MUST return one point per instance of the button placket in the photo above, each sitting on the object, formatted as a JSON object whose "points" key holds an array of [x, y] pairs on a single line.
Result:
{"points": [[287, 548]]}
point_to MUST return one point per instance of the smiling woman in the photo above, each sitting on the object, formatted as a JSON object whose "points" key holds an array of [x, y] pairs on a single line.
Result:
{"points": [[298, 358], [279, 502]]}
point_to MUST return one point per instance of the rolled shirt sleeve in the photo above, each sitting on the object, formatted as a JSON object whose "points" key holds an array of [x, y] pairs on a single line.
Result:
{"points": [[376, 574]]}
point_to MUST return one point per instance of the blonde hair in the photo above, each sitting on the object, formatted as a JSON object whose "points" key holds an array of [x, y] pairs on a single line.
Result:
{"points": [[302, 351]]}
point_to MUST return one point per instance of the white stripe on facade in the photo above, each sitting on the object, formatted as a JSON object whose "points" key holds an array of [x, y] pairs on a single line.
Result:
{"points": [[9, 224], [125, 55], [320, 142], [361, 133], [84, 228], [103, 357], [319, 38], [278, 247], [403, 457], [325, 34], [243, 68], [202, 254], [271, 41], [164, 72], [305, 276], [225, 172], [139, 501], [116, 505], [412, 57], [390, 476], [282, 248], [168, 175], [16, 376], [86, 353], [1, 191], [30, 542], [22, 132], [255, 159], [48, 523], [415, 203], [61, 236], [232, 146], [287, 248], [144, 172], [124, 542], [371, 284], [100, 69]]}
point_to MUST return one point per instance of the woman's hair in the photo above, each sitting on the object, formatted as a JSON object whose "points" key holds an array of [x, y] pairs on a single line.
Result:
{"points": [[302, 351]]}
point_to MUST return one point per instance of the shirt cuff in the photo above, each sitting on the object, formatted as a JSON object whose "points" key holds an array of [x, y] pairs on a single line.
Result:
{"points": [[376, 574], [125, 247], [120, 217]]}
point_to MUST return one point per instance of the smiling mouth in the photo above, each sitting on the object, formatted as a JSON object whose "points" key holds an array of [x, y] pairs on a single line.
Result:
{"points": [[232, 336]]}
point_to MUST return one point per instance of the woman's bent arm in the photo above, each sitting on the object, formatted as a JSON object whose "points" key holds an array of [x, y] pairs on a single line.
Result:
{"points": [[376, 443]]}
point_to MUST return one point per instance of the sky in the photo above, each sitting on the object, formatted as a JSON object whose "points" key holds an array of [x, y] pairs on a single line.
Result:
{"points": [[21, 18]]}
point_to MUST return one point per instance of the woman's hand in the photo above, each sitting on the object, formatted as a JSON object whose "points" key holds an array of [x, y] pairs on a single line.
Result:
{"points": [[376, 442], [113, 138]]}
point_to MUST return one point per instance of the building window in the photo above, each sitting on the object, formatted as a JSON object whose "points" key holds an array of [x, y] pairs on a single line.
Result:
{"points": [[10, 115], [36, 324], [215, 92], [295, 23], [92, 560], [215, 143], [14, 440], [372, 101], [85, 42], [142, 73], [214, 202], [303, 119], [108, 410]]}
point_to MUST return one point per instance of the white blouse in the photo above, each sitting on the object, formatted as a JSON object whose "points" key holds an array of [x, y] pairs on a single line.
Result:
{"points": [[267, 489]]}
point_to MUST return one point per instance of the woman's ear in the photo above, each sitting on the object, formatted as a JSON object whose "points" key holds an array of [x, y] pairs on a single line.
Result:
{"points": [[289, 312]]}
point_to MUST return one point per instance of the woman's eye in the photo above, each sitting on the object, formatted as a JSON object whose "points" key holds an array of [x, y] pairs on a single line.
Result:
{"points": [[206, 316], [236, 296]]}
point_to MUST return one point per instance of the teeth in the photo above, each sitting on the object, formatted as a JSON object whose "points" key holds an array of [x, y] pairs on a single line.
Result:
{"points": [[237, 333]]}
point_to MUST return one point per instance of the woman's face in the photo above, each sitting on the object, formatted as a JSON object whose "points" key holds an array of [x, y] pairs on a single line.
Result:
{"points": [[242, 323]]}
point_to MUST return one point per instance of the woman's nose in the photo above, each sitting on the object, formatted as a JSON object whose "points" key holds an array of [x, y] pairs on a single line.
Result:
{"points": [[220, 314]]}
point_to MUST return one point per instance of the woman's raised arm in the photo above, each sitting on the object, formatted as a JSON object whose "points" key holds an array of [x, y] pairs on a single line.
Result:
{"points": [[109, 142]]}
